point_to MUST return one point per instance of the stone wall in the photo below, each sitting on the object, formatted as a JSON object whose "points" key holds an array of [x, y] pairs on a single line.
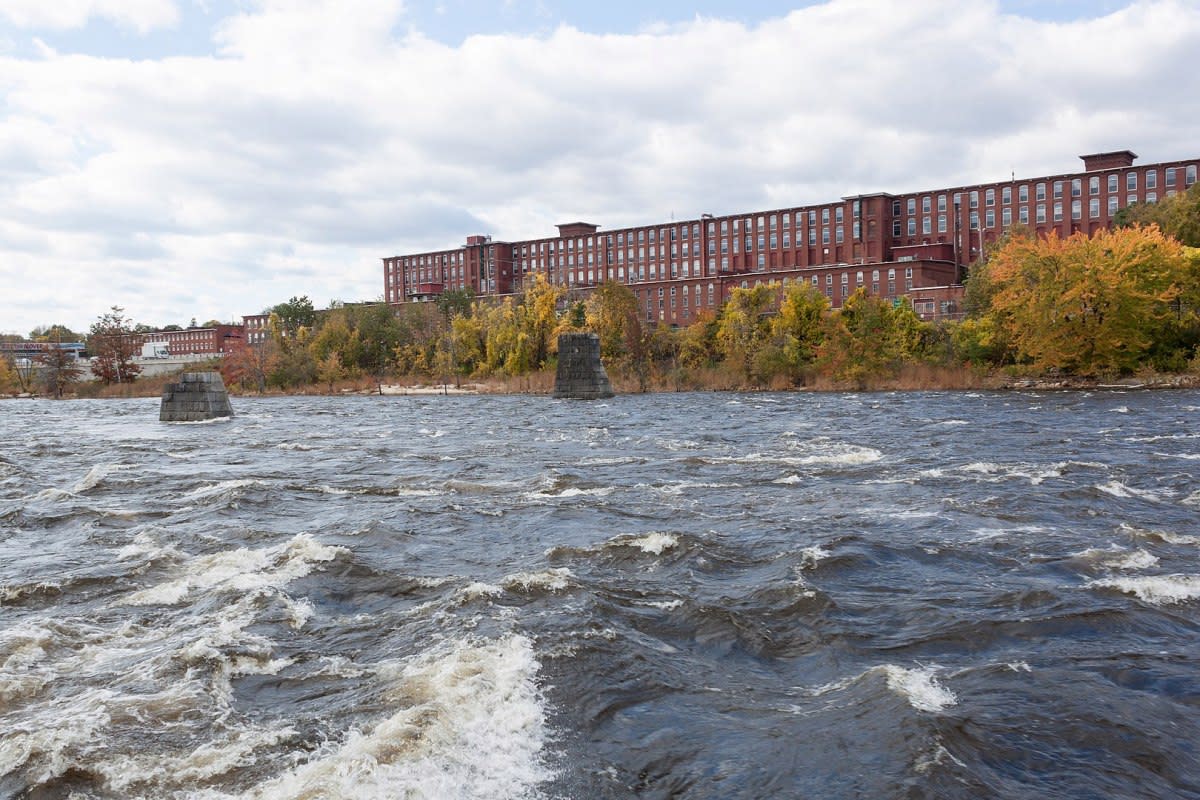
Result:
{"points": [[580, 374], [198, 396]]}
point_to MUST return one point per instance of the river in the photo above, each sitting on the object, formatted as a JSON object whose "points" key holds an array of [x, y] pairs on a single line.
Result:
{"points": [[907, 595]]}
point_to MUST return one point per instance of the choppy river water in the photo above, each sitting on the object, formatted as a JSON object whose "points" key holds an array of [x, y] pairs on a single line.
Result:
{"points": [[685, 596]]}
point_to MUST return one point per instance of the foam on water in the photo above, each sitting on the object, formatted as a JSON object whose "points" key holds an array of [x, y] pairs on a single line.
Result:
{"points": [[813, 555], [613, 461], [477, 590], [850, 458], [1034, 473], [1117, 557], [240, 570], [818, 452], [408, 491], [655, 542], [124, 773], [1163, 437], [827, 453], [1154, 589], [572, 491], [146, 547], [1169, 537], [551, 580], [222, 488], [467, 722], [683, 487], [937, 758], [1118, 489], [50, 740], [95, 476], [916, 685], [54, 494]]}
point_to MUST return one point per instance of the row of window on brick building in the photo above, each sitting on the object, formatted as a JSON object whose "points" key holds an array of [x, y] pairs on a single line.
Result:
{"points": [[905, 218], [674, 252], [645, 251]]}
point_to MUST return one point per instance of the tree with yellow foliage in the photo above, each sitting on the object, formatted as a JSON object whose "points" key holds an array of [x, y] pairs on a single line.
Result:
{"points": [[744, 326], [8, 377], [541, 318]]}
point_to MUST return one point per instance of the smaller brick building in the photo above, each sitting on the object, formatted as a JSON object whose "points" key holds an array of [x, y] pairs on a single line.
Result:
{"points": [[215, 341]]}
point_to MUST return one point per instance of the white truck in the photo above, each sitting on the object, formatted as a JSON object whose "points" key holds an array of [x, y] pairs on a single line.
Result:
{"points": [[155, 350]]}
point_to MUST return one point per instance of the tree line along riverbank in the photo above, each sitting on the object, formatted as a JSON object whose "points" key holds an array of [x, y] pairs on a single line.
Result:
{"points": [[1121, 307]]}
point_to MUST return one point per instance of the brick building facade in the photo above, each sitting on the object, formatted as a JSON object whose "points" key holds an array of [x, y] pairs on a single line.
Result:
{"points": [[911, 245], [214, 341]]}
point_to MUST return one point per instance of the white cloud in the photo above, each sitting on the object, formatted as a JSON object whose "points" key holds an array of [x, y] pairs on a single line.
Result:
{"points": [[142, 16], [319, 140]]}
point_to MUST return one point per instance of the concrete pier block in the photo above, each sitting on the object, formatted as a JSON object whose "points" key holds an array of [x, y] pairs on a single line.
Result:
{"points": [[198, 396], [580, 374]]}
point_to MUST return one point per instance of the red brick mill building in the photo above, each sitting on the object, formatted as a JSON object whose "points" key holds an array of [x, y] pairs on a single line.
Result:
{"points": [[912, 245]]}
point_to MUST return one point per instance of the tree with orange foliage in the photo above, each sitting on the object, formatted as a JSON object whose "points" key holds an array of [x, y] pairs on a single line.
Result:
{"points": [[1088, 306]]}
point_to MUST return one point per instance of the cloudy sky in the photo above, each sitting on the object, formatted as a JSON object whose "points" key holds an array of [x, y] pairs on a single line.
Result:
{"points": [[209, 158]]}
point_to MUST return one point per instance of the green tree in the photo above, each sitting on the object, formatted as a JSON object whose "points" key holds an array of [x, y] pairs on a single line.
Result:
{"points": [[330, 369], [294, 366], [869, 337], [296, 313], [744, 325], [610, 312], [419, 327], [797, 332], [336, 337], [576, 317], [379, 333], [455, 303], [54, 333], [1177, 216], [59, 370], [113, 345], [981, 340]]}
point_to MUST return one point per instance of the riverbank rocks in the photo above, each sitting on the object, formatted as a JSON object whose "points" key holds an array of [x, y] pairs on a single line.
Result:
{"points": [[580, 374], [197, 397]]}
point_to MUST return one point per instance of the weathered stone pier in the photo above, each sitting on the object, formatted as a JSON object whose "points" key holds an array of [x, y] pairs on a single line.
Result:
{"points": [[197, 397], [580, 374]]}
